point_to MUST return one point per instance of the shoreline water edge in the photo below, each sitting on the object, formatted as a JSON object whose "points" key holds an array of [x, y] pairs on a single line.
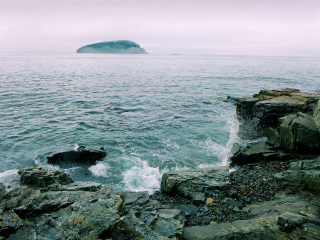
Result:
{"points": [[273, 191]]}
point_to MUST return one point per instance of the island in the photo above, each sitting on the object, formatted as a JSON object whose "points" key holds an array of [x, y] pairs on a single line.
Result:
{"points": [[113, 47]]}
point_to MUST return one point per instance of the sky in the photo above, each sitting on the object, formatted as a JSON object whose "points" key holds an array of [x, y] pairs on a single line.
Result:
{"points": [[227, 27]]}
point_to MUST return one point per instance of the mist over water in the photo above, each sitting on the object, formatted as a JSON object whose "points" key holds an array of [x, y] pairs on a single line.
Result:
{"points": [[151, 113]]}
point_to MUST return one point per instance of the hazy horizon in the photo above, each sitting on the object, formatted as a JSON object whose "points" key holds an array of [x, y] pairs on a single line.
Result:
{"points": [[247, 27]]}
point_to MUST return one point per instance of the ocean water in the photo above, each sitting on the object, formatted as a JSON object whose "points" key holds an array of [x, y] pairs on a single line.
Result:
{"points": [[151, 113]]}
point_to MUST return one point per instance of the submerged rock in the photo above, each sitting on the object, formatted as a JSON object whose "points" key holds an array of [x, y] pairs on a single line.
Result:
{"points": [[81, 155], [189, 182]]}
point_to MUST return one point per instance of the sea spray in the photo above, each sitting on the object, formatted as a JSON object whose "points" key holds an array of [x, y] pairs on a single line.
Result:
{"points": [[142, 178], [100, 169], [10, 179], [233, 125]]}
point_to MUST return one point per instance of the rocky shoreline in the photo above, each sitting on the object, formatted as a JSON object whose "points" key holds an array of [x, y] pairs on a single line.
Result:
{"points": [[273, 194]]}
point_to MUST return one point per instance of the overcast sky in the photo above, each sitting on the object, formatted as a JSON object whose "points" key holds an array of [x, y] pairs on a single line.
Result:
{"points": [[246, 27]]}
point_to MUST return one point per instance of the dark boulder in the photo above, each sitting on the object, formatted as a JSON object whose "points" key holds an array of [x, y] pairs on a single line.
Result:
{"points": [[81, 155]]}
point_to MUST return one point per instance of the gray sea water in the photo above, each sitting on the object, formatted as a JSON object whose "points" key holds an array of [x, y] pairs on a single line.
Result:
{"points": [[151, 113]]}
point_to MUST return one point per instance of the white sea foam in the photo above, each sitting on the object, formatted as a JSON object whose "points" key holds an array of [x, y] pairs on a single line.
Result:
{"points": [[76, 147], [233, 125], [99, 170], [10, 179], [220, 151], [142, 178]]}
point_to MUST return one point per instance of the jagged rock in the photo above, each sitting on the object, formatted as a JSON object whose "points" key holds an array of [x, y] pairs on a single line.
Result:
{"points": [[80, 186], [2, 190], [81, 155], [198, 198], [273, 137], [135, 197], [210, 232], [304, 174], [170, 224], [138, 224], [74, 214], [232, 99], [299, 133], [27, 201], [316, 115], [310, 231], [42, 177], [301, 179], [192, 181], [263, 110], [81, 220], [293, 204], [23, 234], [290, 220], [170, 213], [256, 152], [256, 225], [22, 196], [266, 217], [9, 222], [313, 164]]}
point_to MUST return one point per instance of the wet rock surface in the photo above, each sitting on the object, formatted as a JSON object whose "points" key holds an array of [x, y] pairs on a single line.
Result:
{"points": [[81, 155]]}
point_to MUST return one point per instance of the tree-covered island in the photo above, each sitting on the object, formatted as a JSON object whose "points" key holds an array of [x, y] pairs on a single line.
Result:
{"points": [[113, 47]]}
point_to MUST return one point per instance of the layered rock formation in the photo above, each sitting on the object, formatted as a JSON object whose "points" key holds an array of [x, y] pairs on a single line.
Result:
{"points": [[288, 118], [264, 109], [194, 183], [51, 206]]}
